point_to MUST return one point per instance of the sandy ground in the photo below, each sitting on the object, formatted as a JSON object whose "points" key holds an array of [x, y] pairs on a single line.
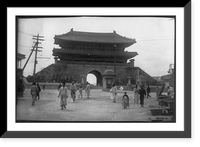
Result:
{"points": [[98, 108]]}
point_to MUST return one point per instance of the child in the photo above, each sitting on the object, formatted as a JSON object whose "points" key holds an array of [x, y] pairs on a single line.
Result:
{"points": [[125, 101], [80, 92]]}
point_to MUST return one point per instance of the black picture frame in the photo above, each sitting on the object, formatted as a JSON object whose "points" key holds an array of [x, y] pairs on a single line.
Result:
{"points": [[187, 133]]}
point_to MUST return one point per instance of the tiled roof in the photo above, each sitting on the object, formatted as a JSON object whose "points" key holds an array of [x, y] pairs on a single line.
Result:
{"points": [[95, 37], [20, 56], [56, 52]]}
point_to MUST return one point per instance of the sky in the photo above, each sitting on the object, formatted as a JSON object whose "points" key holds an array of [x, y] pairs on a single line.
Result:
{"points": [[154, 37]]}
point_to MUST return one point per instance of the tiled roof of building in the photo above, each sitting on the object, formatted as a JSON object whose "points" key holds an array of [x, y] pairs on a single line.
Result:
{"points": [[56, 52], [95, 37], [20, 56]]}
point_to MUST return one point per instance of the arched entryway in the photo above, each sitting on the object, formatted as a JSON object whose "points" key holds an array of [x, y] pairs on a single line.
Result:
{"points": [[91, 78], [98, 76]]}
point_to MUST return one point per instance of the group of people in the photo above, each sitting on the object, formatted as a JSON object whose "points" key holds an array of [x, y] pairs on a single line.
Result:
{"points": [[139, 94], [63, 93]]}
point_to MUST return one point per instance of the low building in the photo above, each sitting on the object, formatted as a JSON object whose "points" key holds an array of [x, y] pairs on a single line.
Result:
{"points": [[20, 86]]}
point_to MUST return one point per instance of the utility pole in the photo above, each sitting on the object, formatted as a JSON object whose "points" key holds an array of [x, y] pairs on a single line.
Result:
{"points": [[38, 39], [29, 57]]}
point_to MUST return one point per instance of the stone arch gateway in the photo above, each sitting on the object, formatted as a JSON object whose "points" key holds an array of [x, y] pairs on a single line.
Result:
{"points": [[89, 52], [98, 76]]}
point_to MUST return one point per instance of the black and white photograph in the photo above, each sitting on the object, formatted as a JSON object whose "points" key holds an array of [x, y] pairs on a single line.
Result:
{"points": [[98, 72], [96, 69]]}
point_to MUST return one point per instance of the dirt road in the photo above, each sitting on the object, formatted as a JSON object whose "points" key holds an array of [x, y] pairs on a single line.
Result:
{"points": [[98, 108]]}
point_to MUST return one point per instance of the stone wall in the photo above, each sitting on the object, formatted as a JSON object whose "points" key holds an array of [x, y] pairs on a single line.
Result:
{"points": [[78, 72]]}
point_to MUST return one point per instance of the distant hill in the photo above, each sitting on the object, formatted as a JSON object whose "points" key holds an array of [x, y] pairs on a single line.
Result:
{"points": [[52, 73]]}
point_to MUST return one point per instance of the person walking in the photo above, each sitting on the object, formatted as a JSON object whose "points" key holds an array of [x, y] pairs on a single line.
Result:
{"points": [[73, 91], [157, 92], [125, 101], [114, 92], [34, 90], [38, 92], [142, 93], [136, 94], [148, 91], [87, 90], [63, 96], [81, 92]]}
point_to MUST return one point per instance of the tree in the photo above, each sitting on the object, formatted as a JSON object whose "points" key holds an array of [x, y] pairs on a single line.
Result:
{"points": [[71, 79], [57, 78], [67, 79]]}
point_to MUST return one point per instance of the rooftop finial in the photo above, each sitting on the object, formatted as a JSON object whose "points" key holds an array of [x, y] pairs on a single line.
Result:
{"points": [[71, 29], [114, 31]]}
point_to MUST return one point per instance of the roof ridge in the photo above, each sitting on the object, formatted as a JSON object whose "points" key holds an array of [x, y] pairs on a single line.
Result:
{"points": [[98, 37], [93, 32]]}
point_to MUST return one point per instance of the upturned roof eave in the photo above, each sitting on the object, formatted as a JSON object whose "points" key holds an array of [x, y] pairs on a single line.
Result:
{"points": [[93, 37], [125, 54], [91, 41]]}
